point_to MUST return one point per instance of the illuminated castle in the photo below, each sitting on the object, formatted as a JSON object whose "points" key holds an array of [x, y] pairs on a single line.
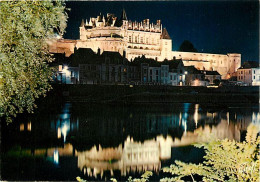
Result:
{"points": [[133, 39]]}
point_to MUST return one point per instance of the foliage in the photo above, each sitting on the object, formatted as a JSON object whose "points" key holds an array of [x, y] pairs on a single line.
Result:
{"points": [[24, 73], [225, 160], [144, 177], [80, 179], [187, 46]]}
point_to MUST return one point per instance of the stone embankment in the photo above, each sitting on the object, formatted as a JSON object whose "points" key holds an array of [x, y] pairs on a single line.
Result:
{"points": [[155, 94]]}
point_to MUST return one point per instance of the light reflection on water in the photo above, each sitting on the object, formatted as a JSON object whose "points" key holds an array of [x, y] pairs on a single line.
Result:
{"points": [[105, 140]]}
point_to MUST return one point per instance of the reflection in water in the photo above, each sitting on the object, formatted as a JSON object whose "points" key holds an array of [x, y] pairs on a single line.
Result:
{"points": [[127, 139], [56, 156]]}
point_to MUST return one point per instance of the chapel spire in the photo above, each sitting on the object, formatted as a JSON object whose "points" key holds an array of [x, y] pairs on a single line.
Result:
{"points": [[123, 16]]}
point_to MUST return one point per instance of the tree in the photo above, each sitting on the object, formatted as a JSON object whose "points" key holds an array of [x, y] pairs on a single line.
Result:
{"points": [[24, 73], [187, 46], [225, 160]]}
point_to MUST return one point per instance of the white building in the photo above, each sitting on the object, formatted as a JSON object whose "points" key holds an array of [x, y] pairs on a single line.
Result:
{"points": [[249, 76]]}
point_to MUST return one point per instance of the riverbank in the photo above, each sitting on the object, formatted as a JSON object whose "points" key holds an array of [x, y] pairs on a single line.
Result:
{"points": [[155, 94]]}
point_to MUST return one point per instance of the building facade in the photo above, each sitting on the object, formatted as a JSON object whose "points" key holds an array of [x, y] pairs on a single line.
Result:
{"points": [[249, 76], [109, 33]]}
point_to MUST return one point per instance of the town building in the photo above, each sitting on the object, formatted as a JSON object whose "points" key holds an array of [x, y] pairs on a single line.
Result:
{"points": [[249, 74], [134, 39], [212, 76], [195, 77], [87, 67]]}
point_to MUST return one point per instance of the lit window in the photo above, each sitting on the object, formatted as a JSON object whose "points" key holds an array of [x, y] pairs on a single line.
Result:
{"points": [[21, 127], [29, 126], [141, 39]]}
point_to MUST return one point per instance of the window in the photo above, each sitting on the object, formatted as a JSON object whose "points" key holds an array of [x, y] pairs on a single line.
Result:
{"points": [[241, 77], [145, 71], [249, 72], [130, 39], [151, 72], [141, 39], [171, 77], [147, 41], [157, 72], [254, 77], [254, 71]]}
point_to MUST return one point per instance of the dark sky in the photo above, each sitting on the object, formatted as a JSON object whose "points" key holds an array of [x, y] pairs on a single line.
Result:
{"points": [[213, 27]]}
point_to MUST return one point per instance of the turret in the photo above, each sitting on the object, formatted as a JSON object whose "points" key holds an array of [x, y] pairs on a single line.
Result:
{"points": [[90, 22], [82, 23]]}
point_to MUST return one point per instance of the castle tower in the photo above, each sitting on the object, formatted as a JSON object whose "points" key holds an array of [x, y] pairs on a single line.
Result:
{"points": [[166, 45], [82, 30], [123, 20]]}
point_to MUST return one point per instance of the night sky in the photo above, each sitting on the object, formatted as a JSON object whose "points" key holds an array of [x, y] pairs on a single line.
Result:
{"points": [[213, 27]]}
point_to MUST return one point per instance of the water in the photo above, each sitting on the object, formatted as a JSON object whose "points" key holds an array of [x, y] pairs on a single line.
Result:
{"points": [[97, 142]]}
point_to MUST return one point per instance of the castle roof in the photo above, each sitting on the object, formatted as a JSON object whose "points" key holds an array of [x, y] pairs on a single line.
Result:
{"points": [[82, 23], [165, 34]]}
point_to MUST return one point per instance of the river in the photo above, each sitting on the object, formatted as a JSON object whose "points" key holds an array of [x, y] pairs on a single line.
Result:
{"points": [[97, 142]]}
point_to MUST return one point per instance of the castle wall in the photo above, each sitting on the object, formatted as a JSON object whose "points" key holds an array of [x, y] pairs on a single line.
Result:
{"points": [[224, 64], [62, 46]]}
